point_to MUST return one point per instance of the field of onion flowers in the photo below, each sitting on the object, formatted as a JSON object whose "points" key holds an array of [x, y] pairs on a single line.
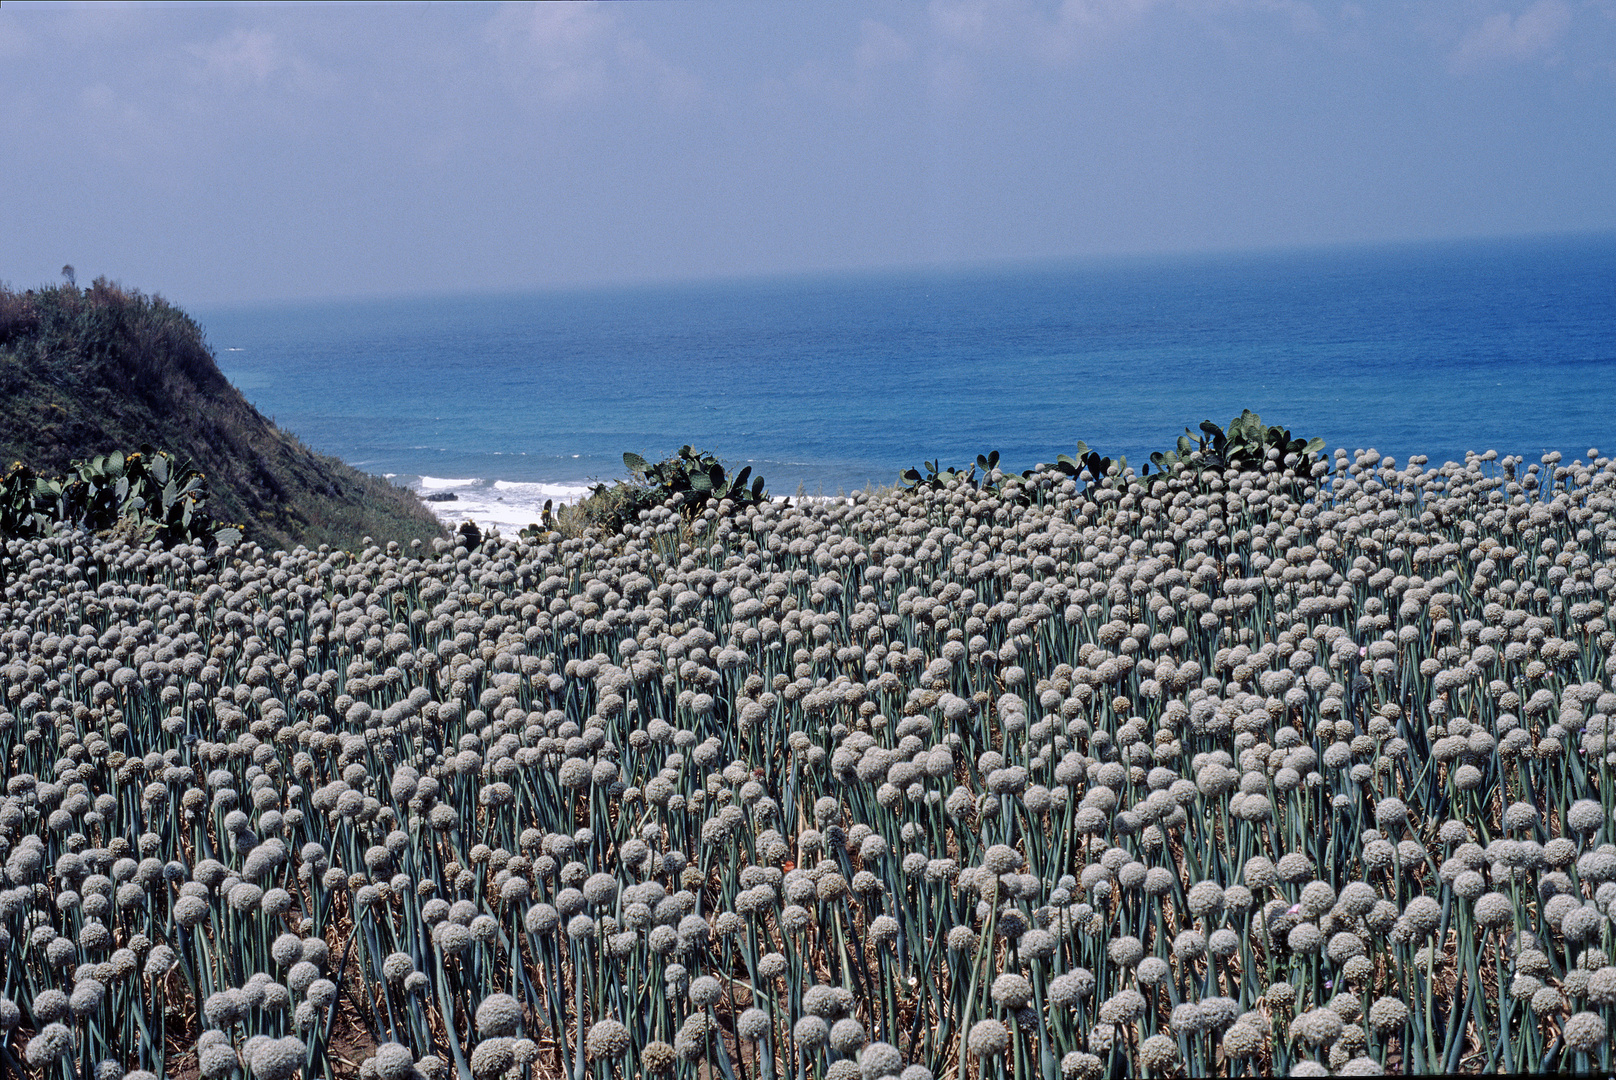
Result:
{"points": [[1304, 770]]}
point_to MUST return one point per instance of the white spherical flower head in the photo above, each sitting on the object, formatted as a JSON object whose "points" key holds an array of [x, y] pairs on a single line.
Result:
{"points": [[498, 1015], [224, 1007], [1388, 1014], [1317, 1027], [1391, 814], [1584, 816], [883, 930], [1243, 1040], [1219, 1012], [1205, 899], [1304, 938], [286, 950], [1585, 924], [607, 1040], [541, 919], [600, 890], [1318, 897], [397, 967], [1038, 944], [987, 1038], [705, 991], [492, 1058], [1493, 910], [1602, 986], [278, 1059], [1158, 1053], [1520, 817], [50, 1005], [1585, 1032], [1126, 951], [1294, 867], [393, 1061], [1259, 873], [53, 1042], [847, 1036], [1001, 859], [1547, 1001], [1281, 996], [1188, 1018], [879, 1059], [811, 1032], [1153, 971], [216, 1061], [753, 1024], [1126, 1005], [1011, 991], [321, 993]]}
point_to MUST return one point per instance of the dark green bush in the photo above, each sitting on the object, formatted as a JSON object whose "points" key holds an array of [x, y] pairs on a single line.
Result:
{"points": [[1245, 444], [693, 478], [697, 475]]}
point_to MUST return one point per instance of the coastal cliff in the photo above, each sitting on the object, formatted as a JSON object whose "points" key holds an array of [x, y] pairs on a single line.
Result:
{"points": [[93, 370]]}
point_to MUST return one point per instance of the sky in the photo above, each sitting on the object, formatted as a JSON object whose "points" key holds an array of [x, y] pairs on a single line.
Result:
{"points": [[241, 155]]}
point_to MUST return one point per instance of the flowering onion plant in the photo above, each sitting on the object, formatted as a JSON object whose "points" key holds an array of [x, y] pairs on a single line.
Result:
{"points": [[1297, 766]]}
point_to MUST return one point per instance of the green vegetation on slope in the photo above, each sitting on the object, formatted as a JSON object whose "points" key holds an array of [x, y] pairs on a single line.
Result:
{"points": [[91, 371]]}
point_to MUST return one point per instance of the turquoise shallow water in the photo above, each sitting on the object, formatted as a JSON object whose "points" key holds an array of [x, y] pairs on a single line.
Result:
{"points": [[836, 382]]}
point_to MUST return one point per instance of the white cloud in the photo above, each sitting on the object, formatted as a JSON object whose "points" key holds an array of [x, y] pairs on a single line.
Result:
{"points": [[562, 53], [880, 45], [1304, 18], [1057, 32], [252, 59], [559, 51], [98, 97], [1103, 14], [862, 78], [240, 59], [1022, 26], [1501, 38], [13, 41], [115, 126]]}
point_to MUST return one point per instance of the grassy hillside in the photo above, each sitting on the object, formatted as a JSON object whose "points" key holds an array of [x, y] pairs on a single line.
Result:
{"points": [[89, 371]]}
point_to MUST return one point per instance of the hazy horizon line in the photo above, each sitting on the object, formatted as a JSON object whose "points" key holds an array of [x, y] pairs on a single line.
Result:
{"points": [[888, 270]]}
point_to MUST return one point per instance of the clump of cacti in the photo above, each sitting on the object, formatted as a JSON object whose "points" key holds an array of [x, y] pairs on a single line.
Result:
{"points": [[146, 493]]}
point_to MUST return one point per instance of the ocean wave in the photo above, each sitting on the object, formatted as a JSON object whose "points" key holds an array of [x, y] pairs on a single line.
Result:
{"points": [[507, 505], [439, 483], [568, 492]]}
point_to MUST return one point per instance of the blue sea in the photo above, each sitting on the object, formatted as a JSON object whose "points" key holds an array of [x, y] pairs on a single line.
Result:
{"points": [[827, 384]]}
